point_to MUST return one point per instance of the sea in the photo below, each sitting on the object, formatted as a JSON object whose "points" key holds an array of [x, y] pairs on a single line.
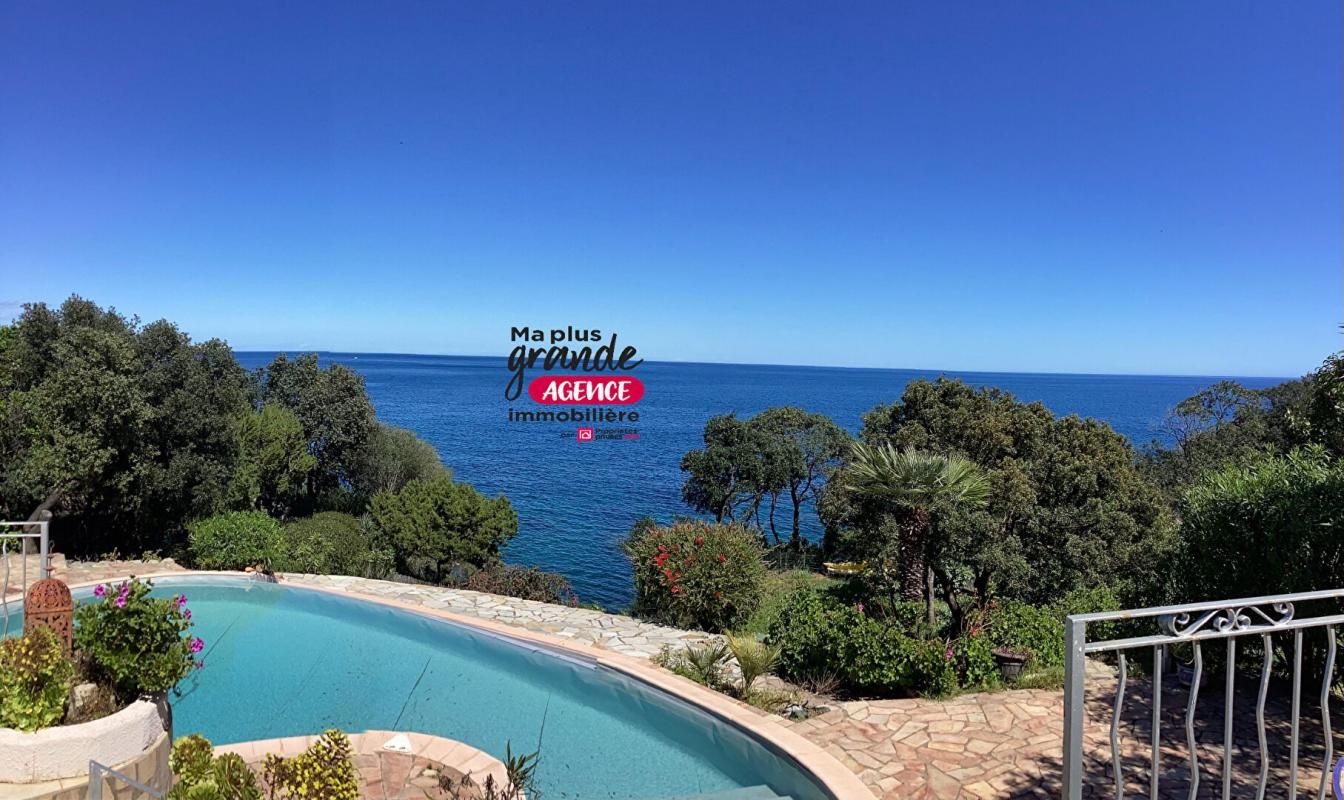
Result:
{"points": [[576, 500]]}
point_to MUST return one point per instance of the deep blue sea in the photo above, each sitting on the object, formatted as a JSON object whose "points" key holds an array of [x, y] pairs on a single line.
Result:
{"points": [[577, 500]]}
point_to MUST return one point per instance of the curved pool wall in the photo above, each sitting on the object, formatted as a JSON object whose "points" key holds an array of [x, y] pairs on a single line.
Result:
{"points": [[288, 661]]}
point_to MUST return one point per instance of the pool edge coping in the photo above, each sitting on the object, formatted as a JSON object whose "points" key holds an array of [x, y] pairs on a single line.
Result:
{"points": [[833, 776]]}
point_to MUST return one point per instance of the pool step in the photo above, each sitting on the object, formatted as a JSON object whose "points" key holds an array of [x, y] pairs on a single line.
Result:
{"points": [[748, 793]]}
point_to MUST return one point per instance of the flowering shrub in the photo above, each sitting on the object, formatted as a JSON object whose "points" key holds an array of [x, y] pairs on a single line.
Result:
{"points": [[697, 574], [236, 540], [202, 776], [136, 643], [35, 677], [325, 770]]}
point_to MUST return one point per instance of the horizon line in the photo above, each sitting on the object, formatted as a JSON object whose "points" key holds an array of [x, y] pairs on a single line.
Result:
{"points": [[303, 350]]}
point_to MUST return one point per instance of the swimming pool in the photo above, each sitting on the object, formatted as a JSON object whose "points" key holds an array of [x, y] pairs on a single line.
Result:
{"points": [[285, 661]]}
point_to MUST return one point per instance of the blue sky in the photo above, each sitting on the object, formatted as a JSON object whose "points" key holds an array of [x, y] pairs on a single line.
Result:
{"points": [[1083, 187]]}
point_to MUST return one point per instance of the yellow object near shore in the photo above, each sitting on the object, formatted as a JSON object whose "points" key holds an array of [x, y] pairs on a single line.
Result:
{"points": [[845, 567]]}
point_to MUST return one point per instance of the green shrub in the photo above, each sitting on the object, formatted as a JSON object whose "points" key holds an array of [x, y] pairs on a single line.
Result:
{"points": [[1039, 631], [330, 543], [235, 540], [433, 526], [326, 770], [137, 644], [526, 583], [818, 636], [35, 679], [202, 776], [696, 574]]}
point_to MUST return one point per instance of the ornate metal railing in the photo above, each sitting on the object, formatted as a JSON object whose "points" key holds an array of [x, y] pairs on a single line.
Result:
{"points": [[1196, 625], [16, 537]]}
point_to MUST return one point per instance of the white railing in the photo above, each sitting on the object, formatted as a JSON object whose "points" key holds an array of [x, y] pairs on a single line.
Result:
{"points": [[16, 537], [1195, 625], [97, 772]]}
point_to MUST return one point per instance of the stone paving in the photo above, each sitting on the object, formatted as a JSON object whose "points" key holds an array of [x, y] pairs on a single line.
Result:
{"points": [[614, 632]]}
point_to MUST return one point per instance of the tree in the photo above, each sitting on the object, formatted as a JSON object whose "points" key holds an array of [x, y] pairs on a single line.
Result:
{"points": [[434, 525], [131, 426], [918, 483], [334, 410], [728, 473], [393, 458], [1067, 507], [1227, 422], [1267, 526], [801, 450], [274, 461]]}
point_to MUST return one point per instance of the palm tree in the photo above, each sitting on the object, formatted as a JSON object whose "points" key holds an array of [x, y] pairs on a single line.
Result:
{"points": [[916, 482]]}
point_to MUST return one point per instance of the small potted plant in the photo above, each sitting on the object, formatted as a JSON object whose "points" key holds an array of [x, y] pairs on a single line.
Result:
{"points": [[1011, 662]]}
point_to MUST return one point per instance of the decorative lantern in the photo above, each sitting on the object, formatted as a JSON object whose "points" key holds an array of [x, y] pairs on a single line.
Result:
{"points": [[49, 605]]}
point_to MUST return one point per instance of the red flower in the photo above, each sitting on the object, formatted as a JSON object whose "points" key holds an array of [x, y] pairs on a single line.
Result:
{"points": [[722, 558], [660, 559], [699, 540]]}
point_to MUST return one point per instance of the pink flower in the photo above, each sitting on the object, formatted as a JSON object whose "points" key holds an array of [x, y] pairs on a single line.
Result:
{"points": [[99, 591], [859, 607], [948, 654], [181, 600], [121, 601], [198, 644], [186, 613]]}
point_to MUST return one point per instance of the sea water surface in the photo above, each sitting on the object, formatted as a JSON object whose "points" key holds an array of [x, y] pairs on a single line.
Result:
{"points": [[577, 500]]}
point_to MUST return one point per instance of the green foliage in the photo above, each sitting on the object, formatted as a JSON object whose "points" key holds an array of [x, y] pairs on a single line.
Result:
{"points": [[325, 770], [1038, 632], [1067, 508], [528, 583], [137, 644], [702, 663], [131, 426], [334, 410], [814, 635], [696, 575], [202, 776], [331, 543], [235, 540], [433, 525], [274, 461], [35, 680], [1268, 526], [393, 458], [782, 453], [755, 660], [779, 586]]}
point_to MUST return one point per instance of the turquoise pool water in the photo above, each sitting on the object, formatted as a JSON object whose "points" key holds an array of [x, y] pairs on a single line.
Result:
{"points": [[284, 661]]}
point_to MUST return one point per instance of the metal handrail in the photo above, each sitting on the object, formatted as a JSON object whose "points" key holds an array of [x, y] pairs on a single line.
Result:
{"points": [[1194, 624], [43, 569], [98, 771]]}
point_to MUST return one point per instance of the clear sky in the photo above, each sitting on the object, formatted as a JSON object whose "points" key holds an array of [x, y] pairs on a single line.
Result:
{"points": [[1109, 186]]}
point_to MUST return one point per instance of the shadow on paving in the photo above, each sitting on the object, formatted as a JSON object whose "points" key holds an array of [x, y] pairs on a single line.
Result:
{"points": [[1135, 738]]}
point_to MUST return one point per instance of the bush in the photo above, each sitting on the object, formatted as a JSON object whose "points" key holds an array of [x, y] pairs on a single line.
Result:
{"points": [[393, 458], [325, 770], [696, 574], [1039, 631], [331, 543], [202, 776], [525, 583], [433, 526], [35, 679], [235, 540], [139, 645], [816, 636]]}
